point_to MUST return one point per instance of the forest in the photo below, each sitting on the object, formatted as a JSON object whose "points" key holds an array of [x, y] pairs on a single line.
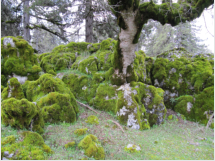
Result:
{"points": [[106, 80]]}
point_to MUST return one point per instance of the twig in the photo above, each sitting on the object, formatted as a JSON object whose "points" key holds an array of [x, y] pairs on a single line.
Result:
{"points": [[118, 125], [99, 114], [87, 107], [206, 25]]}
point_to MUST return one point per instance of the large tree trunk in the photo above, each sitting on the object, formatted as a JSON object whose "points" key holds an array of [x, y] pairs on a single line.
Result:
{"points": [[26, 21], [125, 54], [89, 22]]}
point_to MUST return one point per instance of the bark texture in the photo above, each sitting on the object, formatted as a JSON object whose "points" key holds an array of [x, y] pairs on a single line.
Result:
{"points": [[26, 21], [89, 22]]}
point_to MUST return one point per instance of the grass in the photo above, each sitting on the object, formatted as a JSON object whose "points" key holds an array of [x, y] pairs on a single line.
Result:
{"points": [[173, 140]]}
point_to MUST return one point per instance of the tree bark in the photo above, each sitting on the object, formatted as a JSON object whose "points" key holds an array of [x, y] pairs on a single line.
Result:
{"points": [[26, 21], [89, 21]]}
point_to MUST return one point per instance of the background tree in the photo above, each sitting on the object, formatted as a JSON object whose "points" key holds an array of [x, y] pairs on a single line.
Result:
{"points": [[11, 18]]}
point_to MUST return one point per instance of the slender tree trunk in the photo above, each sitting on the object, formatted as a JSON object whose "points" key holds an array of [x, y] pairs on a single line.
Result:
{"points": [[26, 21], [89, 21]]}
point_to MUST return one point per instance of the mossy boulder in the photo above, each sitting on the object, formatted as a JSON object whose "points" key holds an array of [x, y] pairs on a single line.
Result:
{"points": [[31, 146], [140, 106], [58, 107], [21, 114], [13, 90], [182, 74], [92, 147], [197, 108], [105, 98], [8, 140], [82, 85], [18, 59], [55, 61], [52, 96]]}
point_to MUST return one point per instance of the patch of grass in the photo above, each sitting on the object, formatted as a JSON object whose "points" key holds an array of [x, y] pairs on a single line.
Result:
{"points": [[173, 140]]}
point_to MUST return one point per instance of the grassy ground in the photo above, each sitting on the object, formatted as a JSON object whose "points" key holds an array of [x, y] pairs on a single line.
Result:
{"points": [[175, 139]]}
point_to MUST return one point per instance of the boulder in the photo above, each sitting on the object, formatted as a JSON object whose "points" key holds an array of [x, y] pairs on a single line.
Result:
{"points": [[18, 60], [55, 100]]}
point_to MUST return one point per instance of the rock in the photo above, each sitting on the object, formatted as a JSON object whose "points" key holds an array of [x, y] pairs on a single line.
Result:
{"points": [[4, 158], [6, 153]]}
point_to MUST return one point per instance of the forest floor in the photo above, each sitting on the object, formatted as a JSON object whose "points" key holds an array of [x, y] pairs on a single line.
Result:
{"points": [[175, 139]]}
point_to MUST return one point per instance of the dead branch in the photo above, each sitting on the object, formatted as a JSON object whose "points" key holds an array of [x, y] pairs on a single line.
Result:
{"points": [[99, 114], [209, 121], [87, 107]]}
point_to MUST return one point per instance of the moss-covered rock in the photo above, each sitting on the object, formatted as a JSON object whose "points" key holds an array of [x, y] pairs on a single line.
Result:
{"points": [[21, 114], [198, 107], [181, 73], [80, 131], [57, 107], [55, 61], [131, 148], [8, 140], [18, 59], [70, 144], [13, 89], [92, 148], [53, 97], [82, 85], [105, 98], [92, 120], [30, 147], [140, 106]]}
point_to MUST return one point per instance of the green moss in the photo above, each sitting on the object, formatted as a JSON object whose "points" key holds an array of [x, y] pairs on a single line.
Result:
{"points": [[132, 149], [89, 65], [8, 140], [92, 120], [32, 138], [169, 117], [14, 89], [52, 72], [204, 105], [139, 65], [18, 58], [80, 131], [108, 44], [57, 107], [70, 144], [92, 147], [3, 80], [183, 106], [46, 87], [2, 88], [30, 147], [55, 61], [105, 98], [83, 86], [21, 114]]}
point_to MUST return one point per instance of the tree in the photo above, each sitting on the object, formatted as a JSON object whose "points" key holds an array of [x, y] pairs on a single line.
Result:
{"points": [[11, 18], [26, 20], [131, 16]]}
